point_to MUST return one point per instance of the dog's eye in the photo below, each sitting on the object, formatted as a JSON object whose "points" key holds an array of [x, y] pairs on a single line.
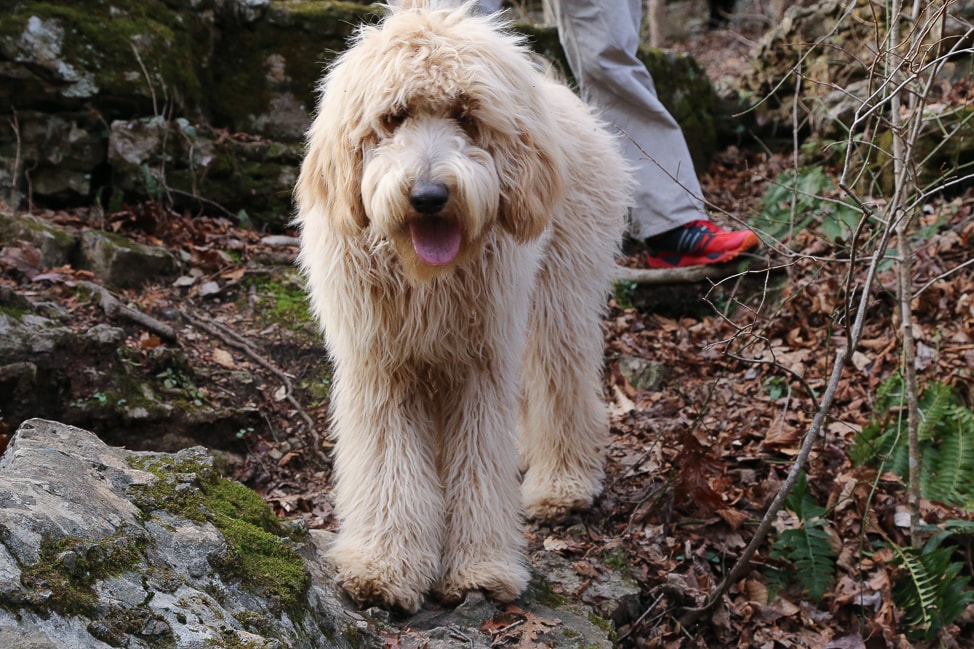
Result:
{"points": [[466, 121], [393, 120]]}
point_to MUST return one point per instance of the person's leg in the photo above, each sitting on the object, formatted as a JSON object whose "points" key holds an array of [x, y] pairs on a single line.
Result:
{"points": [[600, 38], [489, 6]]}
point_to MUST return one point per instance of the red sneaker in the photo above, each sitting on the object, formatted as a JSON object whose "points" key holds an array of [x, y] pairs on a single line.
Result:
{"points": [[697, 243]]}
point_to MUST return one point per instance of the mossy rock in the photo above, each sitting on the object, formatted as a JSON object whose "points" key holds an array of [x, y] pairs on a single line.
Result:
{"points": [[68, 567], [260, 550], [54, 244], [121, 262], [121, 57], [944, 149], [196, 165], [684, 88], [264, 81], [183, 79]]}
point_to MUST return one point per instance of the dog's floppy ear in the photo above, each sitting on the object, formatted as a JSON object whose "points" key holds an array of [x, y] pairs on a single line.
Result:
{"points": [[330, 178], [533, 179]]}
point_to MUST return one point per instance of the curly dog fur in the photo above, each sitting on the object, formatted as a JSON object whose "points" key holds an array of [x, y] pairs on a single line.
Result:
{"points": [[460, 213]]}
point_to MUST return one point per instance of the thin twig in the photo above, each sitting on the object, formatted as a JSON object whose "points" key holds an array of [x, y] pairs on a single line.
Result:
{"points": [[114, 308], [232, 338], [947, 273], [15, 127]]}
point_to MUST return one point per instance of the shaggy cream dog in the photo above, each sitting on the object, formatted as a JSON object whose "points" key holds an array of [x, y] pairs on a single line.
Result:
{"points": [[460, 212]]}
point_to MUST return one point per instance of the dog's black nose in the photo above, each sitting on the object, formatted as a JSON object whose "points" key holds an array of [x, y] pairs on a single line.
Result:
{"points": [[429, 197]]}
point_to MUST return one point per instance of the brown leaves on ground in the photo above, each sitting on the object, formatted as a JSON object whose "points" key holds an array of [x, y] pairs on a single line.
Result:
{"points": [[518, 629], [695, 463]]}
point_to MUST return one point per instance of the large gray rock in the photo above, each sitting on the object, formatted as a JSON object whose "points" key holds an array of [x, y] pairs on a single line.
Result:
{"points": [[832, 47], [103, 547], [55, 245], [183, 164], [121, 262]]}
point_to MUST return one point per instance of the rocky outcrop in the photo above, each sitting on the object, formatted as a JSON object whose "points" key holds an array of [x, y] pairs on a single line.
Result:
{"points": [[103, 547], [97, 376], [834, 48], [201, 102]]}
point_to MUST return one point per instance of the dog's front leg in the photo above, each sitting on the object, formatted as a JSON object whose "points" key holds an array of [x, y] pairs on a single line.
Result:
{"points": [[387, 491], [483, 546]]}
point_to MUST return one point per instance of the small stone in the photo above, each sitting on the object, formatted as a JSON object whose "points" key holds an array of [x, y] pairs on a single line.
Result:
{"points": [[208, 289]]}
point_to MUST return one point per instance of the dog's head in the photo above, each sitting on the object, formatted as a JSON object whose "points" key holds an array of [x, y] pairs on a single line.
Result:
{"points": [[432, 129]]}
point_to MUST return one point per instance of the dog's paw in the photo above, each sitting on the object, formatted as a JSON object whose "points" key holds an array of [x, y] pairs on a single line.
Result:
{"points": [[394, 584], [377, 590], [502, 580], [551, 500]]}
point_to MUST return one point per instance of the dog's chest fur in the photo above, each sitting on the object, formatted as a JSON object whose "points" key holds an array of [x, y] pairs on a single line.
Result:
{"points": [[449, 318]]}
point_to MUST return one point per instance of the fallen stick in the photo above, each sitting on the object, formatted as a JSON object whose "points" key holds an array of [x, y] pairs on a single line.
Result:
{"points": [[114, 308], [685, 275], [233, 339]]}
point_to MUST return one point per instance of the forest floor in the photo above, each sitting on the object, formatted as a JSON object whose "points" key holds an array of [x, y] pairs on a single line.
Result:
{"points": [[697, 452]]}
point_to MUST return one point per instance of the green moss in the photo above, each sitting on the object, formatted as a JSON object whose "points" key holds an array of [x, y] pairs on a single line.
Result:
{"points": [[117, 627], [28, 226], [169, 492], [605, 625], [99, 37], [616, 559], [317, 389], [353, 636], [230, 640], [68, 567], [542, 593], [259, 552], [283, 301], [13, 312], [255, 622], [263, 561]]}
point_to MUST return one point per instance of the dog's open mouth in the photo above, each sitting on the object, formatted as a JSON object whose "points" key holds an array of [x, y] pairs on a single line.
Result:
{"points": [[435, 240]]}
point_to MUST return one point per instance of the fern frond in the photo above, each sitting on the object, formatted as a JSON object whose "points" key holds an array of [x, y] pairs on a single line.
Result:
{"points": [[946, 435], [934, 404], [880, 438], [814, 559], [801, 502], [952, 476], [930, 589], [915, 590], [808, 549]]}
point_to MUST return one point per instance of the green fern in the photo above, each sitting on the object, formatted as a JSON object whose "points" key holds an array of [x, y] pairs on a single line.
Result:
{"points": [[797, 199], [951, 478], [915, 590], [946, 435], [806, 549], [928, 588]]}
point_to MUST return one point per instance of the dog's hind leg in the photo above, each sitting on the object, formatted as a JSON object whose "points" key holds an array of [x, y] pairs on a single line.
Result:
{"points": [[387, 491], [564, 422], [483, 546]]}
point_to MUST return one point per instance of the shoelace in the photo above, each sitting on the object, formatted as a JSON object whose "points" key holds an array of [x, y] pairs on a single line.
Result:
{"points": [[693, 238]]}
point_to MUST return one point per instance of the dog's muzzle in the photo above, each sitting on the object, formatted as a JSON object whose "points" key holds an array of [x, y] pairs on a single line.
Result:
{"points": [[436, 239]]}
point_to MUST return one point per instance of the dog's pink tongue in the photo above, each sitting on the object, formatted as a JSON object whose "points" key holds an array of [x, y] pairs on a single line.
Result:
{"points": [[436, 241]]}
